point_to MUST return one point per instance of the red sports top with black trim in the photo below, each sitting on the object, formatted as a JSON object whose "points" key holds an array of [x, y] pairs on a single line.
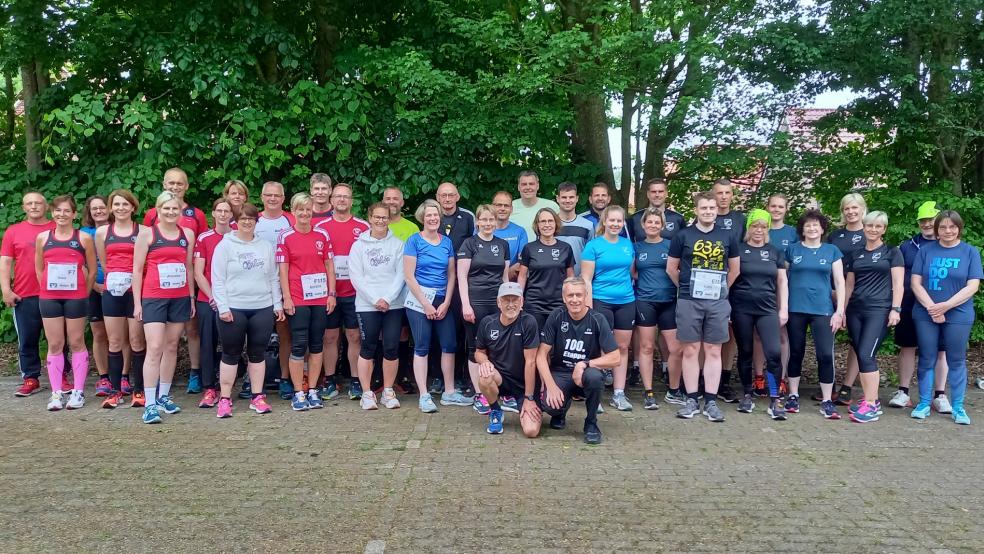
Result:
{"points": [[305, 255], [343, 235], [63, 276], [191, 218], [20, 244], [119, 259], [204, 248], [165, 272]]}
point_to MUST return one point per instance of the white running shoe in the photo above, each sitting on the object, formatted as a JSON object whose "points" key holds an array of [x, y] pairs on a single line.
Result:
{"points": [[55, 403], [942, 405], [390, 401], [900, 400], [368, 401], [76, 400]]}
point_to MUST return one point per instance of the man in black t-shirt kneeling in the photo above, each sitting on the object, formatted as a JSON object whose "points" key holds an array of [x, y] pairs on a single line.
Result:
{"points": [[505, 349], [576, 343]]}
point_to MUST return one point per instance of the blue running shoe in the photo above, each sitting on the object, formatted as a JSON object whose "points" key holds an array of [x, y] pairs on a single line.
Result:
{"points": [[355, 389], [151, 414], [300, 402], [854, 408], [168, 405], [495, 422], [960, 416], [455, 399], [313, 401], [436, 386], [921, 411], [481, 405], [286, 389], [329, 391], [509, 404], [426, 404], [194, 383], [792, 404]]}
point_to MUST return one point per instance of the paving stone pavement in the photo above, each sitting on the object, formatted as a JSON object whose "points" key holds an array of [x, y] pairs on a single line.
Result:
{"points": [[342, 480]]}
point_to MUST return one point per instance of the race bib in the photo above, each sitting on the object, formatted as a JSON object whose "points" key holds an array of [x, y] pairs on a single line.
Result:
{"points": [[63, 276], [172, 276], [118, 282], [314, 285], [411, 302], [706, 284], [341, 267]]}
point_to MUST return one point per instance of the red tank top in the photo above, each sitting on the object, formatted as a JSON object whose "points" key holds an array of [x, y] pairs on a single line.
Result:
{"points": [[119, 249], [165, 273], [63, 276]]}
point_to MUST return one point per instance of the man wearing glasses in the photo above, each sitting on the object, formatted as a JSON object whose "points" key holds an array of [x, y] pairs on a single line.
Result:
{"points": [[514, 235]]}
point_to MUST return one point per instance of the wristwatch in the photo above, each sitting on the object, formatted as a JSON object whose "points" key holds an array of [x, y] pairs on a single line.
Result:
{"points": [[530, 397], [332, 294], [897, 309]]}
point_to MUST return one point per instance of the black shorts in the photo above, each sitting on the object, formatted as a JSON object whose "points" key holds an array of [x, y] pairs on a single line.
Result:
{"points": [[620, 316], [344, 314], [167, 310], [656, 314], [72, 308], [905, 332], [117, 306], [95, 309]]}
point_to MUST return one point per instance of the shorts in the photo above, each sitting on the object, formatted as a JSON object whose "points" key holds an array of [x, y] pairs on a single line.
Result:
{"points": [[167, 310], [95, 310], [481, 311], [516, 387], [621, 317], [905, 332], [703, 320], [71, 308], [656, 314], [344, 314], [117, 306]]}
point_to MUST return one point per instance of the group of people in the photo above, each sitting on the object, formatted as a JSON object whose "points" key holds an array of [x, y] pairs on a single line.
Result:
{"points": [[548, 305]]}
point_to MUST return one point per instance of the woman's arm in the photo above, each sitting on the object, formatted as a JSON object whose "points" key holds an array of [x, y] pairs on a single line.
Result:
{"points": [[782, 293], [587, 273], [91, 265]]}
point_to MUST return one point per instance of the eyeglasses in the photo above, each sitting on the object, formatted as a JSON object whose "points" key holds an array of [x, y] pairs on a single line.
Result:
{"points": [[380, 218], [272, 195], [246, 220], [341, 196]]}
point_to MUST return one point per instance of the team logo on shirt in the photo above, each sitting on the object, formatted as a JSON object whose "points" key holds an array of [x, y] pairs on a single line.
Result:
{"points": [[494, 334], [855, 239], [670, 225], [554, 252], [320, 245], [765, 254], [797, 259], [183, 242], [823, 261], [133, 239], [875, 257], [748, 251], [495, 249], [643, 256], [564, 327], [727, 223], [189, 212], [663, 256], [357, 231], [626, 251], [74, 244], [588, 331]]}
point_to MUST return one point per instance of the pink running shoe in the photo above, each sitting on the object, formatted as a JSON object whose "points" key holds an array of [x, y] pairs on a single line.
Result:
{"points": [[225, 409], [260, 405], [209, 399], [125, 386], [103, 387]]}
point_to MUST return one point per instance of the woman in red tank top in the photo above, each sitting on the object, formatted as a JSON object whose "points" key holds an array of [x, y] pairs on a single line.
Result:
{"points": [[164, 299], [114, 245], [66, 266]]}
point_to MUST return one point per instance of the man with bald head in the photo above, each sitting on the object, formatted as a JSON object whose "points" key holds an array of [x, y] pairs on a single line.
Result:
{"points": [[402, 227]]}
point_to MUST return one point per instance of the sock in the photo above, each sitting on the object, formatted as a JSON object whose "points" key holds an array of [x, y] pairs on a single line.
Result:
{"points": [[708, 397], [845, 390], [229, 398], [649, 392], [164, 389], [56, 368], [136, 368], [619, 391], [388, 390], [80, 368], [151, 394], [904, 389], [693, 395], [495, 405], [313, 391], [939, 393], [725, 377], [116, 369], [674, 391]]}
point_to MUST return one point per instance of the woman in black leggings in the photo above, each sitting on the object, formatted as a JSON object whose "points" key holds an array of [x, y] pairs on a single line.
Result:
{"points": [[247, 295]]}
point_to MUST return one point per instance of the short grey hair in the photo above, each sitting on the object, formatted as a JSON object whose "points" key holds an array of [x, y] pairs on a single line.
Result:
{"points": [[422, 208], [875, 217]]}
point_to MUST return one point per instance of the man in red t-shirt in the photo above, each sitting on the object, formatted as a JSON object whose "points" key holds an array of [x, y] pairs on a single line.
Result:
{"points": [[343, 229], [17, 253]]}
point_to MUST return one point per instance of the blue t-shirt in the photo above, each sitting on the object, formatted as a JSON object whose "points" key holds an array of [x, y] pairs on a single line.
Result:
{"points": [[432, 261], [91, 231], [653, 284], [782, 237], [515, 237], [944, 272], [612, 282], [810, 284], [910, 249]]}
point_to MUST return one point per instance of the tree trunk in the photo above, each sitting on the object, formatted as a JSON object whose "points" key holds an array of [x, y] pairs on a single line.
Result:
{"points": [[268, 60], [30, 89], [8, 82], [590, 141], [326, 41], [626, 177]]}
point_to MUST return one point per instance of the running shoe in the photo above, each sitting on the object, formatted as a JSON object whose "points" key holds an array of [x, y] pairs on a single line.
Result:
{"points": [[286, 389], [959, 416], [496, 418], [746, 405], [300, 402], [405, 387], [712, 411], [650, 402], [921, 411], [103, 387], [260, 404], [55, 403], [168, 405], [792, 404], [509, 404], [481, 405], [436, 386], [783, 388], [225, 408], [689, 410], [28, 387], [942, 405], [209, 399], [389, 400], [857, 406], [151, 414], [368, 401], [900, 400], [592, 434], [426, 404], [864, 413], [355, 389], [677, 398], [329, 391], [75, 400], [246, 392], [843, 398], [601, 409], [112, 401], [620, 402], [829, 410], [194, 383], [138, 400], [759, 388], [455, 399], [125, 386], [980, 382], [609, 377], [635, 378], [726, 394], [314, 401], [558, 422], [776, 410]]}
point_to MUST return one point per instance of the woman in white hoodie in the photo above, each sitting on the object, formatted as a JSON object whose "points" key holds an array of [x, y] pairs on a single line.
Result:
{"points": [[247, 295], [376, 270]]}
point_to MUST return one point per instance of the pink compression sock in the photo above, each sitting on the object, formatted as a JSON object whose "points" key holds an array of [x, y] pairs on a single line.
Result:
{"points": [[80, 367], [56, 367]]}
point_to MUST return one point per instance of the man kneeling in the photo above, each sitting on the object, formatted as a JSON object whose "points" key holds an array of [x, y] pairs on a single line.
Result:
{"points": [[505, 349], [576, 343]]}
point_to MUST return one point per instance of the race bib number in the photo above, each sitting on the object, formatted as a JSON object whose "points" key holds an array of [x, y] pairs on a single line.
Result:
{"points": [[63, 277], [172, 276], [118, 282], [314, 285], [706, 284], [341, 267], [411, 302]]}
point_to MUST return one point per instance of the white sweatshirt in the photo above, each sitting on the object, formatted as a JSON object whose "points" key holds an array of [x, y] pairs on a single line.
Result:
{"points": [[376, 270], [244, 275]]}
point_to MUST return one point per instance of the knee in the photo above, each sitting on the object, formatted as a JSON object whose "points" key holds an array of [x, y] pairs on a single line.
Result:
{"points": [[531, 430], [592, 379], [647, 348], [690, 349], [486, 382], [331, 337]]}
